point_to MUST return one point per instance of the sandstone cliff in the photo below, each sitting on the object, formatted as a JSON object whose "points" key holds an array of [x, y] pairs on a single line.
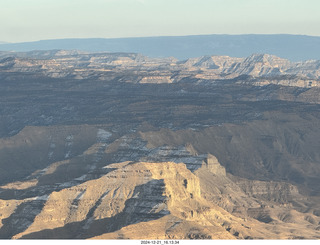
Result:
{"points": [[101, 145]]}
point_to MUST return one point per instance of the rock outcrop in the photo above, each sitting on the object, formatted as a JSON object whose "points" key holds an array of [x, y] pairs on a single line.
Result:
{"points": [[100, 145], [82, 65]]}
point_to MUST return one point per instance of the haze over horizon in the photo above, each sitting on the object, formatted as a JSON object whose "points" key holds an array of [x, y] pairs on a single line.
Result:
{"points": [[42, 20], [160, 36], [292, 47]]}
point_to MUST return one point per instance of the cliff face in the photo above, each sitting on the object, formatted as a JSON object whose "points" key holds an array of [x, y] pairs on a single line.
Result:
{"points": [[110, 145], [89, 196], [175, 202], [102, 66]]}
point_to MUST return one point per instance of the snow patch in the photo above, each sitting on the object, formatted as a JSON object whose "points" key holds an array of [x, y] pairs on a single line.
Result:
{"points": [[69, 137], [38, 198], [66, 184], [42, 198], [83, 177], [67, 155], [103, 135], [88, 223], [50, 154]]}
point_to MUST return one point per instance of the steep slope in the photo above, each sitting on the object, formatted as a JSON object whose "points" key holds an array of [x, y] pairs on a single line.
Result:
{"points": [[100, 145], [35, 148], [167, 198], [280, 147]]}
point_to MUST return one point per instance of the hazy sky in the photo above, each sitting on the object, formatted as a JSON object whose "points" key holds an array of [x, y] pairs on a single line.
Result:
{"points": [[29, 20]]}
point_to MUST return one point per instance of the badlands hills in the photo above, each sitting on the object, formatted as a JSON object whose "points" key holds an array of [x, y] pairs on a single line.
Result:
{"points": [[106, 145]]}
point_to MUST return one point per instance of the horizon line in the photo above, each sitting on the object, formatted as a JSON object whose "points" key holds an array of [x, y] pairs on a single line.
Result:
{"points": [[164, 36]]}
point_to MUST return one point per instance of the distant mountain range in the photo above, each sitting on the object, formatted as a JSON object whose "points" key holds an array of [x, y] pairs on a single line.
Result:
{"points": [[292, 47], [85, 65]]}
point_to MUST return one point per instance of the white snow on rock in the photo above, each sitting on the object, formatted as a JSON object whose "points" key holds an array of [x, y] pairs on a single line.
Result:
{"points": [[103, 135]]}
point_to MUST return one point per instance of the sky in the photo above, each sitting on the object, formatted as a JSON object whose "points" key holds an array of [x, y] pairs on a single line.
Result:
{"points": [[32, 20]]}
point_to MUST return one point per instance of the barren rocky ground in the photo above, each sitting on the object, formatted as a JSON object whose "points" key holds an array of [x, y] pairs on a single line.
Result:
{"points": [[105, 145]]}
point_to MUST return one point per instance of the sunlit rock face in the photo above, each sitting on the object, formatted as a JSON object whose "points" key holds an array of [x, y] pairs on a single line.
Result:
{"points": [[122, 146]]}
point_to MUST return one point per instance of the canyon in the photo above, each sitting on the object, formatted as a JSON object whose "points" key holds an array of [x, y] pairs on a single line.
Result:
{"points": [[106, 145]]}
